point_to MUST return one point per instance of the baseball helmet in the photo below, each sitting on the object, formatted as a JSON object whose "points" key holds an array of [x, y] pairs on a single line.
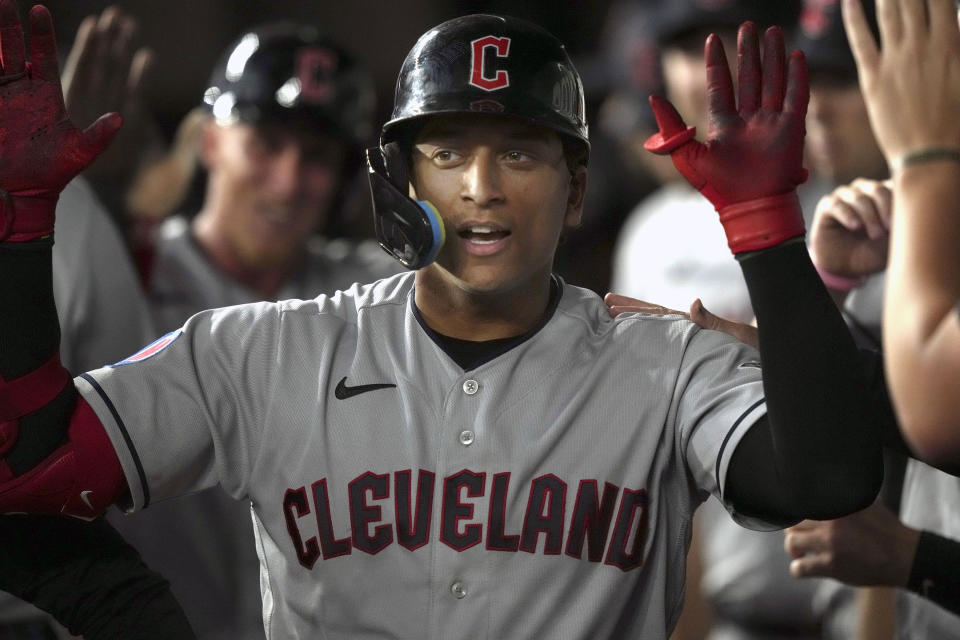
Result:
{"points": [[289, 74], [472, 64]]}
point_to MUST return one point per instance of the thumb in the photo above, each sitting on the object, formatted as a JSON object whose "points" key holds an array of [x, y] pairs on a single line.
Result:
{"points": [[745, 333], [673, 130], [95, 138]]}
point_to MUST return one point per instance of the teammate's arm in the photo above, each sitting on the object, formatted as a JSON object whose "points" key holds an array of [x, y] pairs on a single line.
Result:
{"points": [[87, 577], [816, 454]]}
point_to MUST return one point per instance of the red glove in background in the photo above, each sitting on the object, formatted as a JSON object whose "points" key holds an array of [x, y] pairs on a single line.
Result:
{"points": [[752, 161], [40, 149]]}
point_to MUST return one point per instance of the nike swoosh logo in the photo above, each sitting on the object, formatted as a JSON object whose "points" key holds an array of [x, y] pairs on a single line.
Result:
{"points": [[85, 496], [342, 392]]}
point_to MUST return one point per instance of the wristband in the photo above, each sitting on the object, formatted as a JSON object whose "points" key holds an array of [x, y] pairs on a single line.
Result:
{"points": [[924, 155], [26, 217], [838, 282], [934, 572], [762, 222]]}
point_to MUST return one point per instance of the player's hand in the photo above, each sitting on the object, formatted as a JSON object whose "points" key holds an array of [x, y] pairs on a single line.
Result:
{"points": [[105, 71], [870, 547], [911, 86], [752, 161], [40, 148], [745, 333], [850, 232]]}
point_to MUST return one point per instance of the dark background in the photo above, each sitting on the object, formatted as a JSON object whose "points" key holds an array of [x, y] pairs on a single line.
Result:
{"points": [[189, 35]]}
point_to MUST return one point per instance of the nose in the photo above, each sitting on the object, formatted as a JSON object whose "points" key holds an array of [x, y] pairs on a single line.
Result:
{"points": [[481, 180], [286, 171]]}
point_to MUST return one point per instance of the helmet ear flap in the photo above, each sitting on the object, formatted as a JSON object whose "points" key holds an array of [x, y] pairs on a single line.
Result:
{"points": [[398, 169]]}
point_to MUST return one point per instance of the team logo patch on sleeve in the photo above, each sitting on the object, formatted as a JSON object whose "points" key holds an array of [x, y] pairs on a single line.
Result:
{"points": [[151, 349]]}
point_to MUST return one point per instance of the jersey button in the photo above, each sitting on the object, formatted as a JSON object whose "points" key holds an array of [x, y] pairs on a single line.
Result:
{"points": [[466, 437], [458, 590], [470, 387]]}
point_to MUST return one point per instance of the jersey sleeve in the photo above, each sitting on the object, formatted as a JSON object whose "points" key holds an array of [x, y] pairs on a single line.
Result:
{"points": [[186, 412], [719, 396]]}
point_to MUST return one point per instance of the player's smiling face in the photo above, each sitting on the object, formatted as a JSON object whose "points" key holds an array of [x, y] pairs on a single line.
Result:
{"points": [[274, 187], [505, 193]]}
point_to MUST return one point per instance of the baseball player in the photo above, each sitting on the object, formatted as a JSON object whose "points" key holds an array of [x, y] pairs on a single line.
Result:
{"points": [[474, 449], [283, 136]]}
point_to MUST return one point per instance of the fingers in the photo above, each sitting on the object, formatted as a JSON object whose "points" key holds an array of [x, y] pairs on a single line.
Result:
{"points": [[43, 45], [943, 24], [864, 205], [618, 304], [814, 565], [77, 67], [859, 36], [889, 21], [11, 38], [914, 17], [706, 320], [720, 100], [748, 69], [673, 130], [774, 70], [95, 138], [139, 68], [798, 86], [119, 51]]}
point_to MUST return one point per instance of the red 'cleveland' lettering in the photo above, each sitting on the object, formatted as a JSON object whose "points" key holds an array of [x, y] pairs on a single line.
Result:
{"points": [[454, 511], [617, 554], [412, 533], [315, 68], [617, 542], [544, 515], [479, 76], [591, 520], [362, 515]]}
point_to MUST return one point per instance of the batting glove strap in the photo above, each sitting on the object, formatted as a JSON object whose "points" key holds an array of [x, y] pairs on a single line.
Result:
{"points": [[80, 478], [33, 391], [25, 218], [763, 222]]}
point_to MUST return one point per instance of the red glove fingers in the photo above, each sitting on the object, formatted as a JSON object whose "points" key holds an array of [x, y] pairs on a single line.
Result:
{"points": [[752, 161], [40, 149]]}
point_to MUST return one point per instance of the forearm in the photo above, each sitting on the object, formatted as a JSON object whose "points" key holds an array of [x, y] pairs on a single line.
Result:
{"points": [[823, 432], [921, 323], [88, 578]]}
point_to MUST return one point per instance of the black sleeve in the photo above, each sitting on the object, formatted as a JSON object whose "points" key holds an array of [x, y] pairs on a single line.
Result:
{"points": [[817, 454], [87, 577], [935, 574]]}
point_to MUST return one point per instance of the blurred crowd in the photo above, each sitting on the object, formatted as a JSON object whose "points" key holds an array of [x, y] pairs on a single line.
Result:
{"points": [[249, 200]]}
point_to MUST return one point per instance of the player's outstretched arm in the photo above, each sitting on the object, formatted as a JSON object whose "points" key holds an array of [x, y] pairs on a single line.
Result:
{"points": [[87, 577], [911, 86], [816, 454], [56, 457]]}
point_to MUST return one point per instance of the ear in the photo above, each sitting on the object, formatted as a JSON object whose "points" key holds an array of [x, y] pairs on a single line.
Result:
{"points": [[575, 198], [210, 143]]}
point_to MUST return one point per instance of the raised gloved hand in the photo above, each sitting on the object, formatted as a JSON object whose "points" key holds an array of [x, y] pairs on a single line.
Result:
{"points": [[40, 149], [752, 161]]}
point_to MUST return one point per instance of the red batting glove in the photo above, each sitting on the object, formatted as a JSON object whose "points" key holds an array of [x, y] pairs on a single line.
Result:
{"points": [[40, 149], [752, 162]]}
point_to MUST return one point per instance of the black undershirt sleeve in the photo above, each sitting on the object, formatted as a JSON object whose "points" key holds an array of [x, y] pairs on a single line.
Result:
{"points": [[817, 453], [87, 577]]}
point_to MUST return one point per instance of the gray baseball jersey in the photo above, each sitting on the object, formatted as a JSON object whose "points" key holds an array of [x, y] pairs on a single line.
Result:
{"points": [[544, 494], [185, 282], [204, 543]]}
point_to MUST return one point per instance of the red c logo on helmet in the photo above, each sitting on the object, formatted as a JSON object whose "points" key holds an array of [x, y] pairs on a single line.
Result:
{"points": [[315, 69], [478, 75]]}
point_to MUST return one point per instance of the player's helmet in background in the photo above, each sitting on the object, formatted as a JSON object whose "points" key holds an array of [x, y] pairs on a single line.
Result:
{"points": [[473, 64], [494, 64], [290, 75]]}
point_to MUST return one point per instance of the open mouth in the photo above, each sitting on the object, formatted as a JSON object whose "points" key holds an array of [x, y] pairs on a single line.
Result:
{"points": [[483, 234]]}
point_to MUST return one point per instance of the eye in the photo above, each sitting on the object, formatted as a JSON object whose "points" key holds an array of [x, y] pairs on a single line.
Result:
{"points": [[516, 156], [446, 157]]}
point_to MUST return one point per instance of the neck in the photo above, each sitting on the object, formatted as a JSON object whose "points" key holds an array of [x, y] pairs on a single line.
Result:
{"points": [[456, 312], [264, 279]]}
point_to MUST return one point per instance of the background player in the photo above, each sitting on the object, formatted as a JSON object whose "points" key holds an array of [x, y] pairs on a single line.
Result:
{"points": [[321, 415]]}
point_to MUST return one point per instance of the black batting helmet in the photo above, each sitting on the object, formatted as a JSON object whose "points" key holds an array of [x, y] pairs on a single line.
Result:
{"points": [[290, 74], [494, 64]]}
